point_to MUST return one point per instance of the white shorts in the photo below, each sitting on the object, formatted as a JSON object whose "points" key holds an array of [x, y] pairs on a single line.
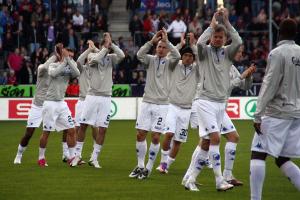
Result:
{"points": [[152, 117], [56, 116], [78, 111], [35, 116], [281, 137], [210, 116], [194, 117], [96, 111], [177, 122], [227, 125]]}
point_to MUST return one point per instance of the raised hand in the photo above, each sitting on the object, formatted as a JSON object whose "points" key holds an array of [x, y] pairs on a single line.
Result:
{"points": [[214, 22], [157, 37], [182, 40], [248, 72], [65, 53], [192, 38], [91, 44], [107, 40], [164, 35]]}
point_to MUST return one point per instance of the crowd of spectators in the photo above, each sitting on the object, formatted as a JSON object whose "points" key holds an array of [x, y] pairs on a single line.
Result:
{"points": [[249, 17], [30, 28]]}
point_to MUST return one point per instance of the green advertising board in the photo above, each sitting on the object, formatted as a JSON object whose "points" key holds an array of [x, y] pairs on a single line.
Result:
{"points": [[17, 91], [119, 90]]}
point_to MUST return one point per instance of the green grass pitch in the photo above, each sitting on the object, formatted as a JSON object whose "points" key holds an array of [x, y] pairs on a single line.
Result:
{"points": [[118, 158]]}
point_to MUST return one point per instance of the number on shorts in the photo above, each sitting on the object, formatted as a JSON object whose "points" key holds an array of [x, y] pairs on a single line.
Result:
{"points": [[108, 118], [159, 121], [70, 120], [183, 132]]}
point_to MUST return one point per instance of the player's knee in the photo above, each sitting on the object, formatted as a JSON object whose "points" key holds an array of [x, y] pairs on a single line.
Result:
{"points": [[215, 139], [205, 144], [258, 155], [234, 137], [141, 135], [102, 130], [169, 136], [155, 138], [281, 160]]}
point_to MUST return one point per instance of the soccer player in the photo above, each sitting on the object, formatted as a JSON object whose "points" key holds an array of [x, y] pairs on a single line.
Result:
{"points": [[97, 104], [56, 113], [155, 101], [185, 74], [215, 62], [243, 81], [35, 114], [84, 82], [183, 85], [277, 116]]}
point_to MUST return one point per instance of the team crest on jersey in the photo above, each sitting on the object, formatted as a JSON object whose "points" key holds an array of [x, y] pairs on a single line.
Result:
{"points": [[67, 71]]}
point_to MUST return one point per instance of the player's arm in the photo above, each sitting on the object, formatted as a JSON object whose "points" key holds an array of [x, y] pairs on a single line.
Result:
{"points": [[43, 69], [52, 59], [96, 57], [271, 81], [56, 68], [174, 55], [243, 81], [201, 43], [236, 40], [118, 54], [247, 78], [142, 55], [73, 66], [82, 58]]}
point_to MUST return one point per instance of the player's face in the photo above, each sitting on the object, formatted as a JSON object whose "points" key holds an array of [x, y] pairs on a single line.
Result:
{"points": [[162, 49], [218, 39], [187, 59]]}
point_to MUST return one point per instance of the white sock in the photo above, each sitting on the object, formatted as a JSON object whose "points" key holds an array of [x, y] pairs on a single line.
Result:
{"points": [[198, 165], [21, 149], [96, 151], [195, 153], [164, 156], [78, 147], [292, 171], [214, 154], [257, 177], [72, 152], [169, 161], [141, 150], [153, 151], [230, 149], [42, 153], [65, 149]]}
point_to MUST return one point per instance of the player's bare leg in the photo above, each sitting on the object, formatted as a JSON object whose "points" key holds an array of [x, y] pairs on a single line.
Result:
{"points": [[42, 149]]}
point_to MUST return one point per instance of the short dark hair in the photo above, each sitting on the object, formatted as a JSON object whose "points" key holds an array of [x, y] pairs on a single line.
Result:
{"points": [[220, 28], [287, 29]]}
